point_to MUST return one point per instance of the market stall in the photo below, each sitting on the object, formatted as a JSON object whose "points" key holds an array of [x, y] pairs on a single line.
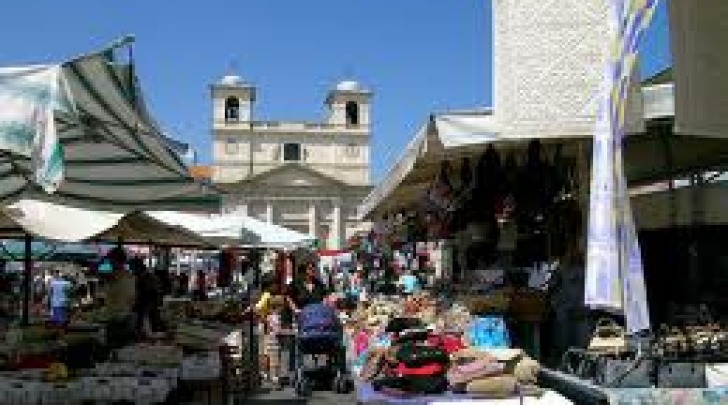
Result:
{"points": [[424, 350]]}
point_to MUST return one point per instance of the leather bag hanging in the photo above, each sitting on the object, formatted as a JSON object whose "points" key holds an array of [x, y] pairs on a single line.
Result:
{"points": [[608, 338]]}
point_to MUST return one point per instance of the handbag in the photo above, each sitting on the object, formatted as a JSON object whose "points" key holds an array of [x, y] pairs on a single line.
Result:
{"points": [[608, 338], [488, 332], [481, 368], [580, 363], [624, 373], [413, 355], [681, 375]]}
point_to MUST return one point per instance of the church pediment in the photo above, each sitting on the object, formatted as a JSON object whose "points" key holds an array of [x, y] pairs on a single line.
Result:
{"points": [[292, 175]]}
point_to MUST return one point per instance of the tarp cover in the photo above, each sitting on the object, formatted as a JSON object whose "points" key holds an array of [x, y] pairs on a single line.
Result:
{"points": [[69, 224], [234, 229], [114, 156]]}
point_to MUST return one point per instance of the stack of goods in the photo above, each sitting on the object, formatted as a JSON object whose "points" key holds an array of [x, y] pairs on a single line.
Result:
{"points": [[410, 368], [201, 366], [199, 336], [175, 310], [94, 315], [122, 389], [32, 347], [205, 310], [495, 374], [707, 341], [456, 318], [495, 302], [164, 356], [231, 313]]}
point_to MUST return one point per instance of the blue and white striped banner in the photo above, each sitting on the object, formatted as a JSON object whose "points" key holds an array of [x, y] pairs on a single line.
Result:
{"points": [[614, 270]]}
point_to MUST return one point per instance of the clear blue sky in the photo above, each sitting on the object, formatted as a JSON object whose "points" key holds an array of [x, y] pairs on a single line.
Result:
{"points": [[418, 56]]}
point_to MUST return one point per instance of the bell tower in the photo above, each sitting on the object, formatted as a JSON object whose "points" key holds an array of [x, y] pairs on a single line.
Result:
{"points": [[348, 105], [232, 100]]}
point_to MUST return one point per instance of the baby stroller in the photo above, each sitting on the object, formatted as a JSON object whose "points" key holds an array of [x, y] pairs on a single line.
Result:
{"points": [[320, 333]]}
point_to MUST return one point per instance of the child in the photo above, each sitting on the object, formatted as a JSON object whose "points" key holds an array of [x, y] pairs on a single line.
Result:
{"points": [[272, 343], [268, 310]]}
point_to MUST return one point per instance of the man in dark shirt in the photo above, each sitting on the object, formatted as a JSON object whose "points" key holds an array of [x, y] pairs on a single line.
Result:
{"points": [[307, 289]]}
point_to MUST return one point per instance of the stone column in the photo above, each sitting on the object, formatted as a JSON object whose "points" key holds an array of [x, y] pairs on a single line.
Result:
{"points": [[312, 220], [269, 212], [336, 226]]}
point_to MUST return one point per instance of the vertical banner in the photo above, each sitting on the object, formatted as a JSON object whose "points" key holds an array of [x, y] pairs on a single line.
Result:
{"points": [[614, 271]]}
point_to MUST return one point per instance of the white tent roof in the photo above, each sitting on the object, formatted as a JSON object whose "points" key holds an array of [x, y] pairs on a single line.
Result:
{"points": [[442, 135], [69, 224], [648, 157], [114, 154], [235, 229]]}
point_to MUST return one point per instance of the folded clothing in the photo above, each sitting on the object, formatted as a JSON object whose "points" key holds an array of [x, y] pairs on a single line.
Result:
{"points": [[502, 386], [464, 373], [449, 343], [412, 335], [402, 370], [397, 325], [414, 355], [435, 384]]}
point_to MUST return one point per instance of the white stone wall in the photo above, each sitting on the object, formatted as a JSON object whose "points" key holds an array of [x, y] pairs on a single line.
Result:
{"points": [[342, 157], [548, 62]]}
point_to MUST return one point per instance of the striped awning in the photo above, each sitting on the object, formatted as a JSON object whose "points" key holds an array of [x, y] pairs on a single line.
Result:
{"points": [[114, 155]]}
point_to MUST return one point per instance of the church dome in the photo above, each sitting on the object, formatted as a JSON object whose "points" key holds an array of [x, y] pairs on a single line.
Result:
{"points": [[231, 80], [348, 85]]}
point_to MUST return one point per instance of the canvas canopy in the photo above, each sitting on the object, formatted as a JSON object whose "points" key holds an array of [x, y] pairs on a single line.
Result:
{"points": [[69, 224], [656, 154], [80, 131], [235, 230]]}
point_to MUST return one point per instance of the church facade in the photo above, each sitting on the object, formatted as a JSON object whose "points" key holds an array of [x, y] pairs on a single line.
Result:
{"points": [[306, 176]]}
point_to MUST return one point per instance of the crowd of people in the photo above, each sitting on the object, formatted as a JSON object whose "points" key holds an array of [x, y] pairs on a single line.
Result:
{"points": [[127, 289], [278, 304]]}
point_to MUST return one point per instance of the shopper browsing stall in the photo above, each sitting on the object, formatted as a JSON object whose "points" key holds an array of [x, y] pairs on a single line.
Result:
{"points": [[308, 289], [60, 290], [409, 283], [148, 297]]}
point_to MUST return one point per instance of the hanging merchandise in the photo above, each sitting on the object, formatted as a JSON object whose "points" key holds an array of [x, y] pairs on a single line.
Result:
{"points": [[490, 181], [461, 208], [441, 191], [440, 197], [533, 199]]}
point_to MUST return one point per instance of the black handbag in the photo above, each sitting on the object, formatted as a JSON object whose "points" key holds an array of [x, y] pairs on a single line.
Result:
{"points": [[624, 373], [681, 375], [414, 355], [580, 363]]}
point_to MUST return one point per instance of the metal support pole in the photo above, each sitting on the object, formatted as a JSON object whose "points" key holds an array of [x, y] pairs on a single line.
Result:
{"points": [[27, 275]]}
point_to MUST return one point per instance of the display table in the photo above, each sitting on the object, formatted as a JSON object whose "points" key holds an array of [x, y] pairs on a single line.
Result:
{"points": [[668, 396], [136, 390], [365, 394]]}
